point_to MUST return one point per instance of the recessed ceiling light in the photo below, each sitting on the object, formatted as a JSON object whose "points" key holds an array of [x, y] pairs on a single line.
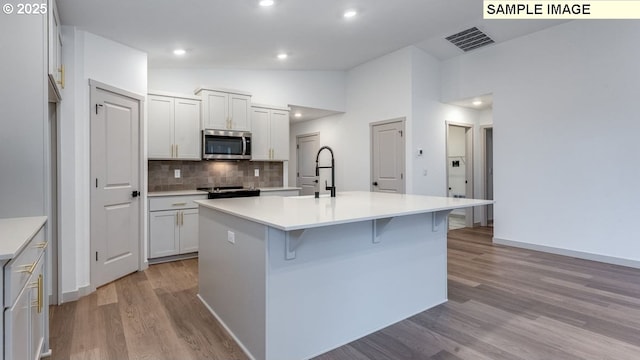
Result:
{"points": [[179, 52], [282, 56], [350, 13], [297, 115], [266, 3], [476, 102]]}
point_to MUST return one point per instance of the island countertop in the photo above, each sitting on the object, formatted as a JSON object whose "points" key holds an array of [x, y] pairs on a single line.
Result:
{"points": [[304, 212]]}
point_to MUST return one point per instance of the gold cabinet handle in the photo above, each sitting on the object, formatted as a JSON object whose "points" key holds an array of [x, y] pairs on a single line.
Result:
{"points": [[177, 150], [41, 245], [179, 204], [177, 218], [40, 293], [61, 71], [28, 268], [181, 218]]}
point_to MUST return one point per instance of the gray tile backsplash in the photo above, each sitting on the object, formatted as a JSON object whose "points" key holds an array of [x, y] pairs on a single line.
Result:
{"points": [[212, 173]]}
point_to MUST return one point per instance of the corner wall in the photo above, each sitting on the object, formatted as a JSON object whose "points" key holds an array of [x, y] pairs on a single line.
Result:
{"points": [[87, 56], [565, 136]]}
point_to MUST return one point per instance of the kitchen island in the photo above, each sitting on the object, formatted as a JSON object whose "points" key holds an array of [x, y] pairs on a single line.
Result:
{"points": [[294, 277]]}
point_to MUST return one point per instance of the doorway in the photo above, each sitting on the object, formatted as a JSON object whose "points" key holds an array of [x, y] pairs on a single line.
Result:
{"points": [[460, 171], [387, 156], [487, 135], [116, 209], [307, 147]]}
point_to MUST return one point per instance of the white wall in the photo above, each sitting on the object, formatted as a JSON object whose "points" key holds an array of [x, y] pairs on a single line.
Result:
{"points": [[565, 136], [377, 90], [317, 89], [87, 56], [405, 84], [24, 135]]}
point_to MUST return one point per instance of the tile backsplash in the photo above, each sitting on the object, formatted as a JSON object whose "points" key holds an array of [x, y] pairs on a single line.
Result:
{"points": [[212, 173]]}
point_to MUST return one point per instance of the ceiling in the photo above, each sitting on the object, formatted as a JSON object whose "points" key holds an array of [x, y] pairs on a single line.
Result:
{"points": [[241, 34]]}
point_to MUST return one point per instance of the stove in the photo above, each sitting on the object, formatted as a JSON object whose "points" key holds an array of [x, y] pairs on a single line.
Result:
{"points": [[224, 192]]}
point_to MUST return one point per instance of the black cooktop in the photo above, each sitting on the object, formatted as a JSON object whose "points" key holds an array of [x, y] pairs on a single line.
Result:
{"points": [[223, 192]]}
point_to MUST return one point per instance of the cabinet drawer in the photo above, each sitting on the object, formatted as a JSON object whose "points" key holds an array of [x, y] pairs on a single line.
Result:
{"points": [[18, 270], [175, 202]]}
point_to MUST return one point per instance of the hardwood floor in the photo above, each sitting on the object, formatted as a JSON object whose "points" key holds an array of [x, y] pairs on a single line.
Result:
{"points": [[504, 303]]}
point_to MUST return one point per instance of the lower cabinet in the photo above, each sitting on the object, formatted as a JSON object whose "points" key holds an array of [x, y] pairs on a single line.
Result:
{"points": [[25, 304], [173, 226]]}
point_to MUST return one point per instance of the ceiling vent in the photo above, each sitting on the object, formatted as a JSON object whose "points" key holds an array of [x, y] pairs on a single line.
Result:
{"points": [[470, 39]]}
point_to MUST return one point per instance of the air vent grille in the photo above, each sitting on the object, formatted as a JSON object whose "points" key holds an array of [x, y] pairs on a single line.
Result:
{"points": [[470, 39]]}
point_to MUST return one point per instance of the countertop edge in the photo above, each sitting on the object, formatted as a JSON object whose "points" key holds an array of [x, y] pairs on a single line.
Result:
{"points": [[38, 223], [175, 193], [206, 204]]}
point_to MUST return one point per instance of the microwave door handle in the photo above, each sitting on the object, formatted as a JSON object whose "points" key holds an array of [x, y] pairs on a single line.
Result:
{"points": [[244, 145]]}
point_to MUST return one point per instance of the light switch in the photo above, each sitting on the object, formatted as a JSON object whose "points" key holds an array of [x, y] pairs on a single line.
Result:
{"points": [[256, 172], [176, 173], [231, 237]]}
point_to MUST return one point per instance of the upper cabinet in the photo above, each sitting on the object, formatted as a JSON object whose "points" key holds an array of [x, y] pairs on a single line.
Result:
{"points": [[174, 127], [55, 66], [270, 135], [225, 110]]}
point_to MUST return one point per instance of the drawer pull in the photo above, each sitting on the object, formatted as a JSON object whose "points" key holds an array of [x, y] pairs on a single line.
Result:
{"points": [[179, 204], [40, 293], [28, 268], [41, 245]]}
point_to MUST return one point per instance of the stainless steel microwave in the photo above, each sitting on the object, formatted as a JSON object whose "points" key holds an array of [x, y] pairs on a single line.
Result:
{"points": [[226, 145]]}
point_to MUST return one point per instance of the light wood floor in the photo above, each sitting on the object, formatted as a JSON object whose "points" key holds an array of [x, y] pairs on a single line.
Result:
{"points": [[504, 303]]}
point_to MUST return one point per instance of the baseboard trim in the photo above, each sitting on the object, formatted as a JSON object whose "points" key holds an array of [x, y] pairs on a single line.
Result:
{"points": [[75, 295], [240, 344], [571, 253]]}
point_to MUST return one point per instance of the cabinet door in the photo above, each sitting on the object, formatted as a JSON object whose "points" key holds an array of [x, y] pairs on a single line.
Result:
{"points": [[239, 112], [16, 328], [189, 231], [280, 135], [215, 110], [163, 233], [187, 129], [260, 142], [161, 115], [36, 289]]}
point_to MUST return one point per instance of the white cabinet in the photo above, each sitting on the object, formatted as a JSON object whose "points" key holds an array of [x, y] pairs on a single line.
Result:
{"points": [[25, 303], [270, 135], [54, 61], [173, 225], [224, 110], [174, 128]]}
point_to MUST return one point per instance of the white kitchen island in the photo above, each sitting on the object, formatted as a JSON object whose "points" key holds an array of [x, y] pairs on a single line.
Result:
{"points": [[294, 277]]}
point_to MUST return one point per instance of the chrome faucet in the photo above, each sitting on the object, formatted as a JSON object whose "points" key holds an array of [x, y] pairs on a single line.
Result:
{"points": [[333, 173]]}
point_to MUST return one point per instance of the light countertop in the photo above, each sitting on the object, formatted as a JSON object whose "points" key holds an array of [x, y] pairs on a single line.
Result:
{"points": [[176, 193], [15, 233], [303, 212], [287, 188]]}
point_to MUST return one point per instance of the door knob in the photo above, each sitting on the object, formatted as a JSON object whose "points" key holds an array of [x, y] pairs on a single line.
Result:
{"points": [[135, 193], [375, 183]]}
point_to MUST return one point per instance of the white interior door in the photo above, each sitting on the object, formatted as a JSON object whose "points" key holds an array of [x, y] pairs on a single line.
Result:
{"points": [[387, 157], [115, 209], [307, 148], [460, 167], [489, 170]]}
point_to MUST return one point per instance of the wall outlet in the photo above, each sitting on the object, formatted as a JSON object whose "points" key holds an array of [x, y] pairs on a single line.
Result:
{"points": [[176, 173], [256, 172], [231, 237]]}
